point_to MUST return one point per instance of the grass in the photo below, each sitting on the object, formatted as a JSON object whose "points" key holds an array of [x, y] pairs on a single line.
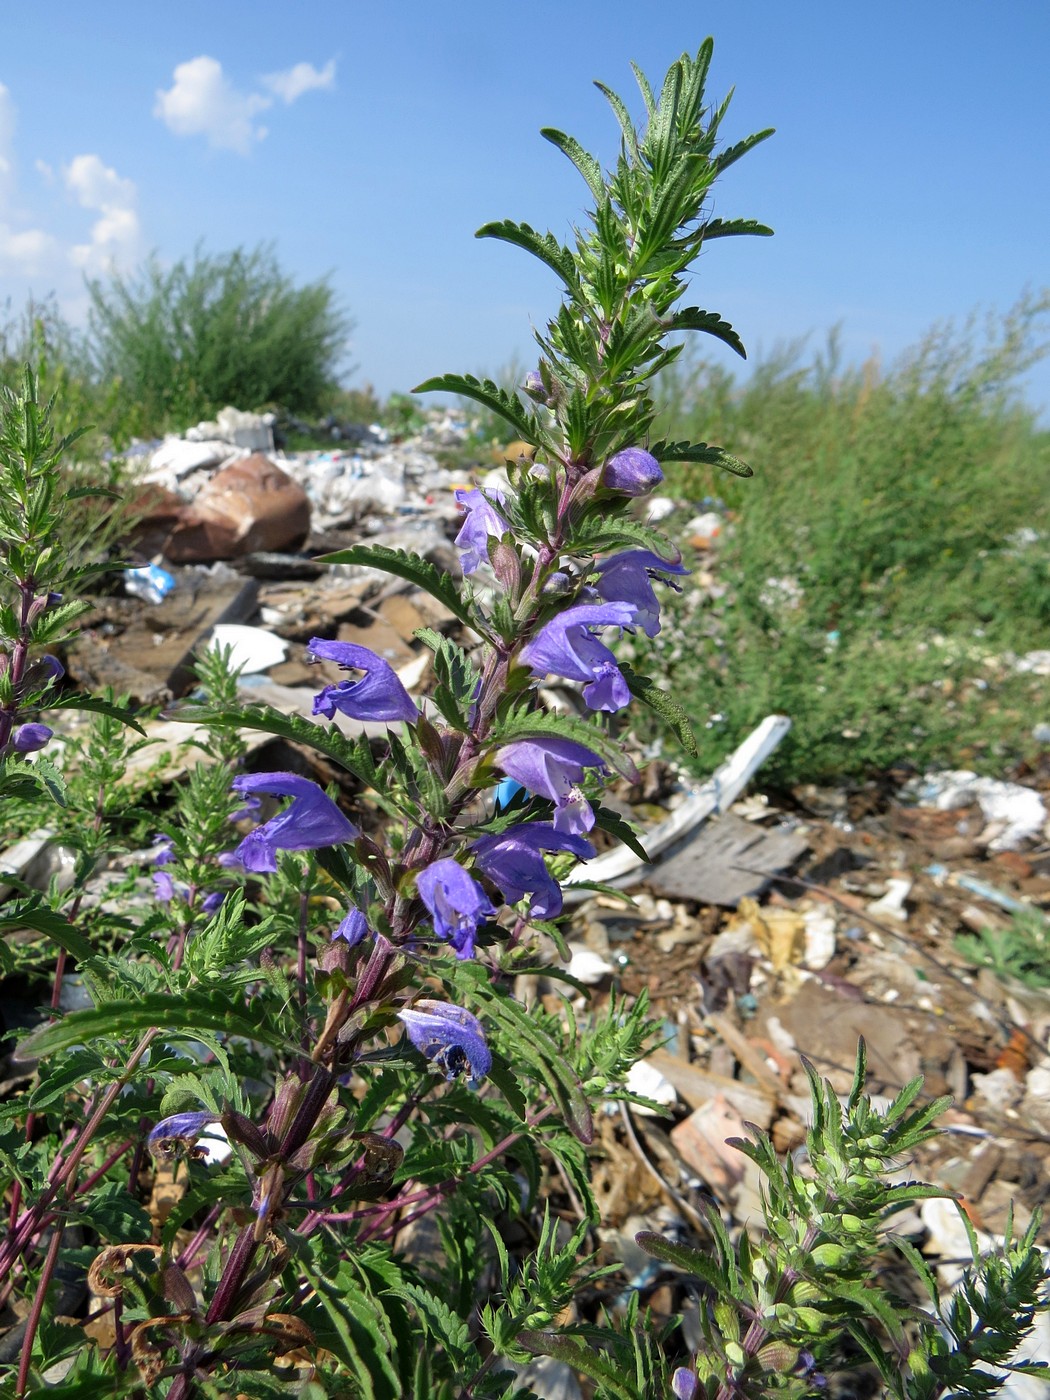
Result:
{"points": [[884, 566]]}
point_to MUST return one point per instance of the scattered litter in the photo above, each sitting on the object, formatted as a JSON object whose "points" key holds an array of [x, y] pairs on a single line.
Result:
{"points": [[152, 584], [1014, 813], [645, 1079], [891, 904], [252, 648]]}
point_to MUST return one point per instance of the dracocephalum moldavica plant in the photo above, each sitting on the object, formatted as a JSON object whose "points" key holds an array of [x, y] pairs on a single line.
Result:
{"points": [[309, 1028]]}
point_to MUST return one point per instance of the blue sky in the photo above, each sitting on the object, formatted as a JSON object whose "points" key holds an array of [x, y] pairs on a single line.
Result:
{"points": [[907, 182]]}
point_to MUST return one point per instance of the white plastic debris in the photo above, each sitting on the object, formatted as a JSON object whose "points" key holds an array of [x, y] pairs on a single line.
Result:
{"points": [[254, 648], [1014, 813], [819, 938], [645, 1079], [891, 904], [587, 966], [176, 458]]}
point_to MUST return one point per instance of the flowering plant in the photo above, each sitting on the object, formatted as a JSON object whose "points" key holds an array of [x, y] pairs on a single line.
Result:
{"points": [[313, 1030]]}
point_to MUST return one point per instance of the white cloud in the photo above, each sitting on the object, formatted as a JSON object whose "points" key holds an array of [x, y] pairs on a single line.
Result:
{"points": [[301, 77], [29, 250], [115, 234], [203, 102], [45, 171]]}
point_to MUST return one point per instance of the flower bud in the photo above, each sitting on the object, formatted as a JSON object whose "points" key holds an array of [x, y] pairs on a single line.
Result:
{"points": [[28, 738], [534, 386], [633, 471]]}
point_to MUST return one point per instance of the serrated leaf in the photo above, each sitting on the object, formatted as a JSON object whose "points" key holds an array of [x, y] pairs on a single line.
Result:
{"points": [[683, 1257], [522, 723], [692, 318], [700, 452], [666, 706], [585, 163], [536, 1046], [115, 1214], [581, 1355], [354, 755], [731, 228], [59, 1077], [733, 153], [484, 391], [95, 706], [45, 920], [541, 245], [413, 567], [608, 820], [185, 1017]]}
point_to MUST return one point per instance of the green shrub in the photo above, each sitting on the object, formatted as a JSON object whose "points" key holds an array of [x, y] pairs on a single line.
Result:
{"points": [[890, 554], [228, 328]]}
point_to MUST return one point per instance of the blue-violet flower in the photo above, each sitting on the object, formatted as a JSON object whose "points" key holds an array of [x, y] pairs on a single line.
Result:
{"points": [[449, 1037], [554, 768], [683, 1384], [566, 646], [483, 520], [627, 578], [353, 928], [311, 820], [456, 901], [513, 861], [27, 738], [378, 695], [633, 471]]}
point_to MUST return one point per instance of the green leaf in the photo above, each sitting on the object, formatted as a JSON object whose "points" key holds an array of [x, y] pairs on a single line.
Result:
{"points": [[408, 566], [541, 245], [733, 153], [684, 1257], [484, 391], [535, 1045], [608, 820], [525, 723], [730, 228], [45, 920], [183, 1017], [692, 318], [115, 1214], [585, 163], [92, 703], [355, 755], [700, 452], [581, 1355], [666, 706]]}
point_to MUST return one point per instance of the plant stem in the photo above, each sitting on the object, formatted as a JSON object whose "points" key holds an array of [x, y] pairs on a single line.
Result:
{"points": [[33, 1321]]}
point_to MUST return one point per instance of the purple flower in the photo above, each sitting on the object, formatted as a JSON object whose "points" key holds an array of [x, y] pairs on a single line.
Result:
{"points": [[377, 695], [627, 578], [311, 820], [163, 886], [211, 903], [448, 1036], [483, 520], [683, 1384], [566, 646], [553, 768], [27, 738], [180, 1127], [513, 860], [632, 471], [456, 901], [165, 855], [353, 928]]}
